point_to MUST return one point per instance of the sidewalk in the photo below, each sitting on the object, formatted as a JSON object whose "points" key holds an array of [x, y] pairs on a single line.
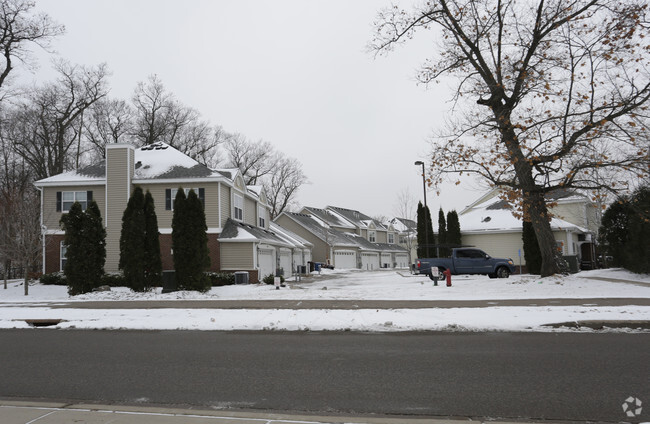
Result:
{"points": [[15, 412], [332, 304]]}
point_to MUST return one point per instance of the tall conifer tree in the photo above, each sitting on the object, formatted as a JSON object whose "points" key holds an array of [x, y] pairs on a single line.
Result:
{"points": [[132, 248], [190, 242], [152, 261], [442, 234], [421, 232], [96, 239], [454, 237], [431, 250], [85, 240]]}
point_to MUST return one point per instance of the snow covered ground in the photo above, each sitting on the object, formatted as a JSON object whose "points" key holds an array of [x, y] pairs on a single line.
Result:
{"points": [[15, 308]]}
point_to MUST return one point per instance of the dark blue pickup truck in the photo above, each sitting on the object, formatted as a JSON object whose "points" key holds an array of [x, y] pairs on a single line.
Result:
{"points": [[467, 261]]}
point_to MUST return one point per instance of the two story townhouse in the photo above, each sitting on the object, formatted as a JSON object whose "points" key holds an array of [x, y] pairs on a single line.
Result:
{"points": [[237, 216], [358, 243], [406, 230]]}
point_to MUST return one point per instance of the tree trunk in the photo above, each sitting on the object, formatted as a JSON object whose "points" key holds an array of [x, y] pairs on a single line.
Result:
{"points": [[536, 207], [6, 273], [534, 204]]}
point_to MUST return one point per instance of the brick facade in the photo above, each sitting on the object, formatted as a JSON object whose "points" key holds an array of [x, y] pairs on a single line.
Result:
{"points": [[53, 254]]}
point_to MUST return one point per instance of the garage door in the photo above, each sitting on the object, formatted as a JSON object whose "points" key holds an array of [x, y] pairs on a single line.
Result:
{"points": [[386, 260], [285, 262], [345, 259], [265, 260], [369, 261], [402, 260]]}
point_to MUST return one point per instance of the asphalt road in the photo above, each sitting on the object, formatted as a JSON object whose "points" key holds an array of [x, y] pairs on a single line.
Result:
{"points": [[564, 376]]}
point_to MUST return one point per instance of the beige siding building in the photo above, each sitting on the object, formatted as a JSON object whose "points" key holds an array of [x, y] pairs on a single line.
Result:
{"points": [[163, 171], [490, 225]]}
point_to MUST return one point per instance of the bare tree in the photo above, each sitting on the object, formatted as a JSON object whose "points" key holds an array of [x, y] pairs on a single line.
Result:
{"points": [[27, 235], [150, 101], [108, 121], [19, 211], [20, 27], [254, 160], [562, 89], [159, 116], [282, 185], [47, 132], [405, 218]]}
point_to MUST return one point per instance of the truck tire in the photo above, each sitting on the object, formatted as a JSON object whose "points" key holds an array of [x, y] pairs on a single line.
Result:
{"points": [[503, 272], [492, 275]]}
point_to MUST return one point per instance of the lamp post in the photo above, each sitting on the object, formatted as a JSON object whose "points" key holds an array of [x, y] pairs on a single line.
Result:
{"points": [[424, 188]]}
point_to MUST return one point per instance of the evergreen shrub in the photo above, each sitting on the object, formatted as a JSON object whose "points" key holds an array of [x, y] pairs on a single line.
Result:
{"points": [[54, 279], [221, 278]]}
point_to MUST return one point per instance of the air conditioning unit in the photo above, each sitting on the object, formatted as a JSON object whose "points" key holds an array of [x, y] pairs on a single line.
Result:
{"points": [[241, 277]]}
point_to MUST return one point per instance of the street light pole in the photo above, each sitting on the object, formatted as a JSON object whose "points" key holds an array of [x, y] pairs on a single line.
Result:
{"points": [[424, 188]]}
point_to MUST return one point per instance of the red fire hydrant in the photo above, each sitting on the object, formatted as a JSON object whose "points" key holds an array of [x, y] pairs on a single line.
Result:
{"points": [[447, 274]]}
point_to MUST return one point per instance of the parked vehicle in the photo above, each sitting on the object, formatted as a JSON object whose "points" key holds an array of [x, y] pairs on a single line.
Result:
{"points": [[467, 261]]}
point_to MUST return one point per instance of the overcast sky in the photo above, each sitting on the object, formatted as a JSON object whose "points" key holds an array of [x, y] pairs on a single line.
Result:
{"points": [[295, 73]]}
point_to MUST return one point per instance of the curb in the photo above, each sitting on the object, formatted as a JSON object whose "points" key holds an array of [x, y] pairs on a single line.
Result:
{"points": [[602, 325]]}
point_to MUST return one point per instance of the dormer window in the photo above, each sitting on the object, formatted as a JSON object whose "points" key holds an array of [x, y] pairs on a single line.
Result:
{"points": [[261, 213], [391, 238], [238, 210], [372, 236]]}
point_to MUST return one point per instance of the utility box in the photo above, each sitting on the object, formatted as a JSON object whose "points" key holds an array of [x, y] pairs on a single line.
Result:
{"points": [[241, 277], [169, 281]]}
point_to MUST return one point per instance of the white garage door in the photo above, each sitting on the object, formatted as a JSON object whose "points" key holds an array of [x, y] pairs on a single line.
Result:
{"points": [[345, 259], [369, 261], [386, 260], [285, 262], [266, 261], [402, 260]]}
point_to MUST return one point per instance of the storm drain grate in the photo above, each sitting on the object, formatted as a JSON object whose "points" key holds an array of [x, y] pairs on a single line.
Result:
{"points": [[43, 322]]}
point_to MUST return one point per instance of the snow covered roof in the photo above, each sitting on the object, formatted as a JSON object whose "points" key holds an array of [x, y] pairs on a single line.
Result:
{"points": [[289, 236], [492, 214], [327, 217], [235, 231], [314, 226], [403, 225], [496, 217], [160, 160], [91, 174], [357, 218], [155, 161]]}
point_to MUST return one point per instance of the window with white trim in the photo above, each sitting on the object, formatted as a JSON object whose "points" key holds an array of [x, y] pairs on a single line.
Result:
{"points": [[261, 213], [391, 238], [170, 196], [372, 236], [238, 208], [66, 199]]}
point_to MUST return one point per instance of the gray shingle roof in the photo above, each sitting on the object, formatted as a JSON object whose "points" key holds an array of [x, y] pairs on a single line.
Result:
{"points": [[329, 235], [232, 231], [327, 217]]}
